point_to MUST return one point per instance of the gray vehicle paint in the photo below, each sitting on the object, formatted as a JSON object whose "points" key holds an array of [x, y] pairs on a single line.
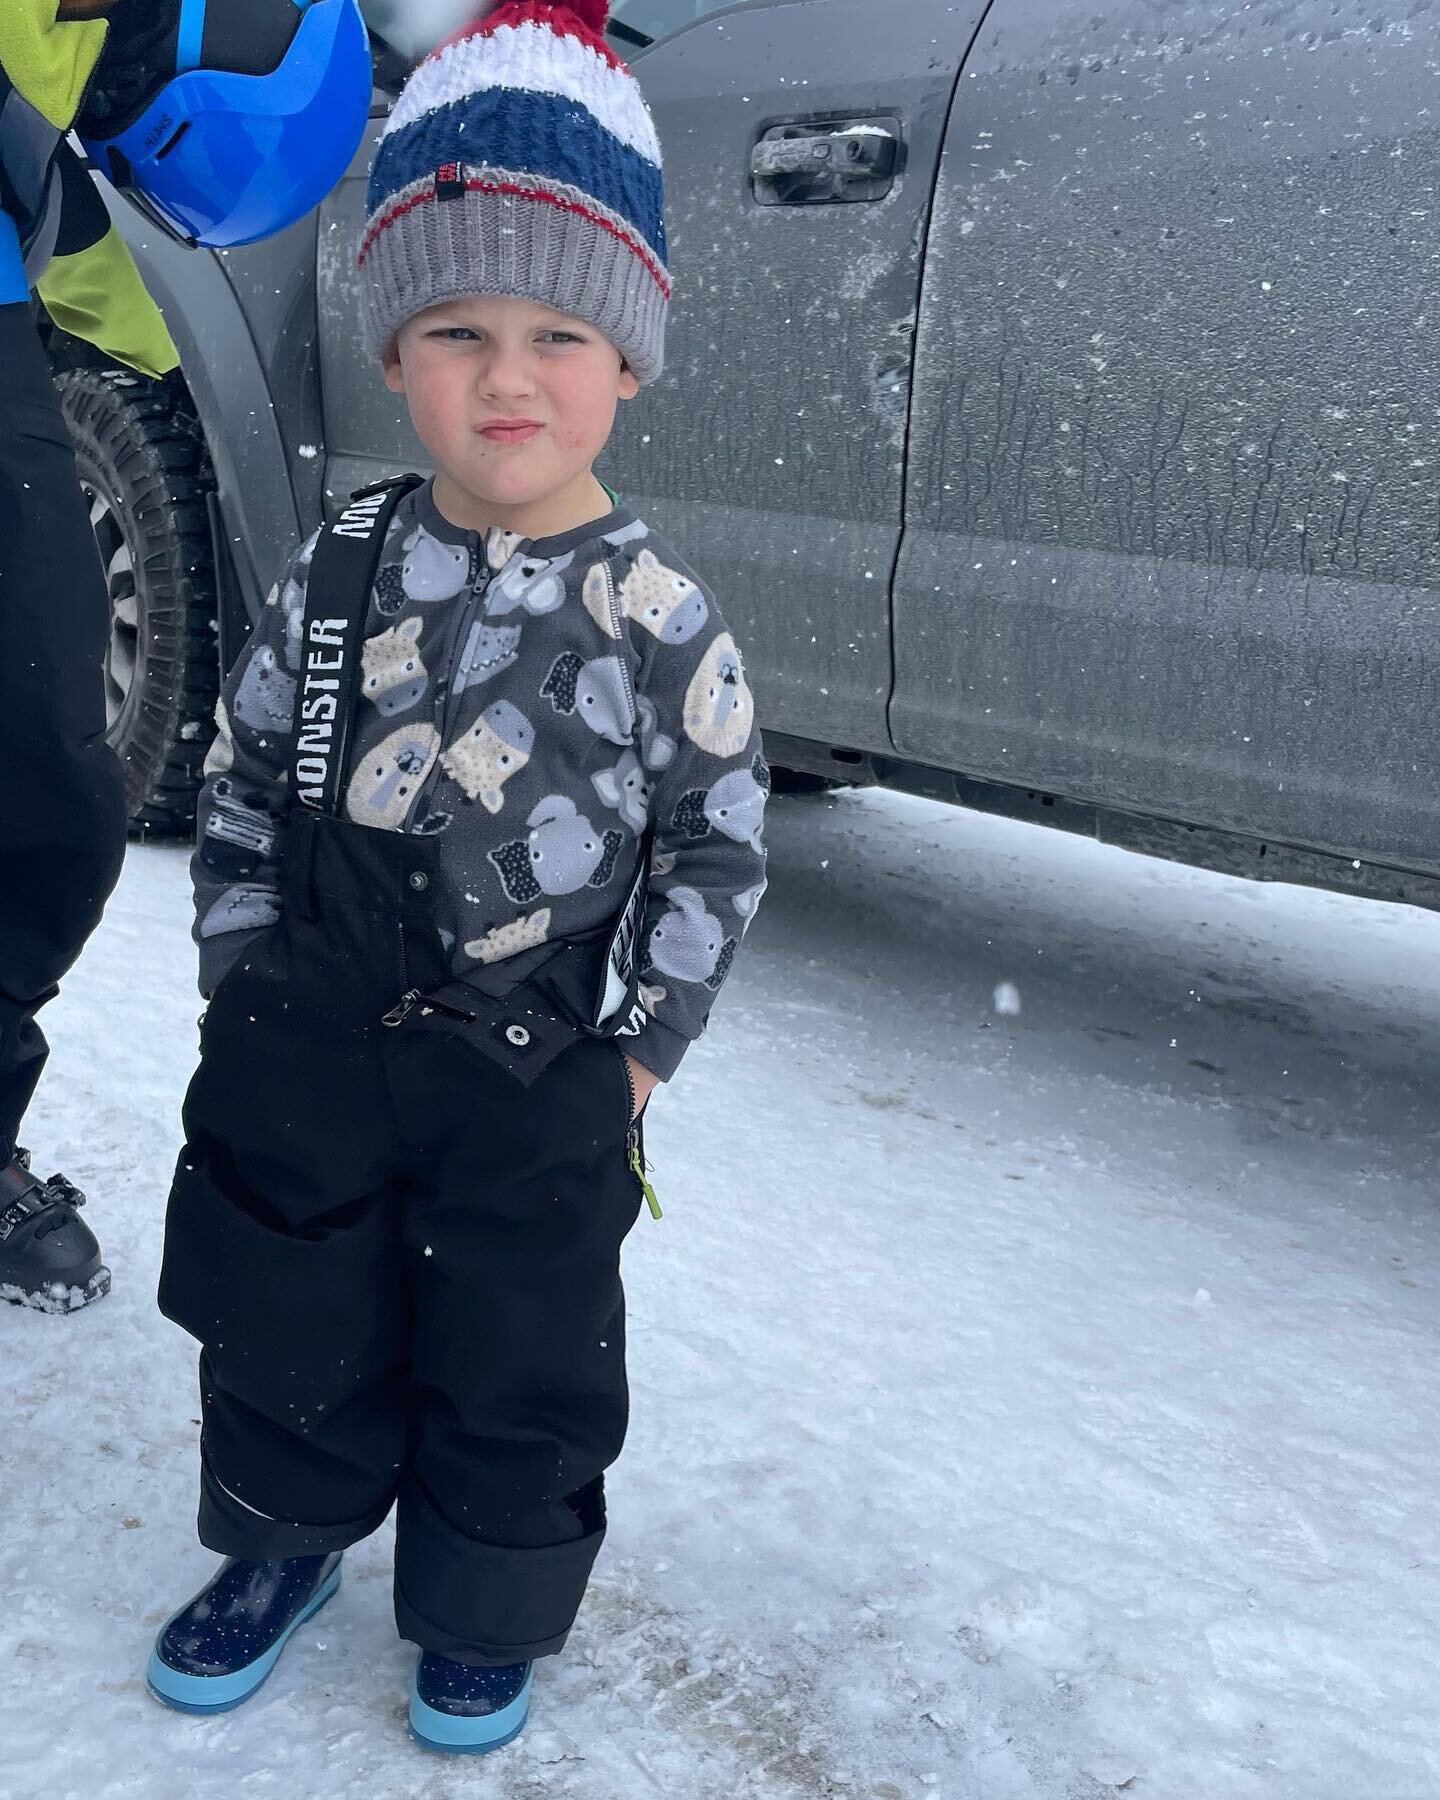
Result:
{"points": [[1171, 533], [1202, 507]]}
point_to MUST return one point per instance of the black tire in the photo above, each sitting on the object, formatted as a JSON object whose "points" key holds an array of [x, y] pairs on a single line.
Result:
{"points": [[143, 466]]}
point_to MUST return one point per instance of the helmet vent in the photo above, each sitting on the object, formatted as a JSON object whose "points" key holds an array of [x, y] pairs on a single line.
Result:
{"points": [[172, 141]]}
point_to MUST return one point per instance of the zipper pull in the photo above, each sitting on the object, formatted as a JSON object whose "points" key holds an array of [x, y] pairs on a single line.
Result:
{"points": [[451, 1012], [637, 1166], [412, 997], [402, 1008]]}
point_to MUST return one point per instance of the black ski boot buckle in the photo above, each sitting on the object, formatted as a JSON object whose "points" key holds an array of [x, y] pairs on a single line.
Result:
{"points": [[49, 1258]]}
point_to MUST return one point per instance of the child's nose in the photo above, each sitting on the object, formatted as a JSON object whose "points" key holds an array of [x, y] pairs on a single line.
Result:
{"points": [[507, 372]]}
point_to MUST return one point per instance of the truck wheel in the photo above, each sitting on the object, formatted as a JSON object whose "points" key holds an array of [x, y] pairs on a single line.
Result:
{"points": [[145, 475]]}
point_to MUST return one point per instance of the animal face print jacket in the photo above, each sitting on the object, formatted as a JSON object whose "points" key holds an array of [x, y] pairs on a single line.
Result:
{"points": [[534, 704]]}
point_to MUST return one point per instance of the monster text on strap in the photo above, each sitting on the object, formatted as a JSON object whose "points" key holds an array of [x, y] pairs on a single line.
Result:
{"points": [[342, 573], [358, 519], [319, 706]]}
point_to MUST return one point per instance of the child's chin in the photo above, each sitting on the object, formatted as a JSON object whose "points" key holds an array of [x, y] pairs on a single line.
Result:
{"points": [[513, 486]]}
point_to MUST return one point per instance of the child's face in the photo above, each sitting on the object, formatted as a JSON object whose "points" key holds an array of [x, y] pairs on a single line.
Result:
{"points": [[513, 401]]}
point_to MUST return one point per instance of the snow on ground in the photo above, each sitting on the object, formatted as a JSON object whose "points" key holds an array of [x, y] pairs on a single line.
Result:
{"points": [[1030, 1404]]}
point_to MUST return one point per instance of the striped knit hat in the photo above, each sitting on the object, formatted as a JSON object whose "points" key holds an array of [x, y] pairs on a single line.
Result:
{"points": [[521, 160]]}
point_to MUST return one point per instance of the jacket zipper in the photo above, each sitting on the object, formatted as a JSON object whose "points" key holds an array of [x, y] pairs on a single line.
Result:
{"points": [[618, 621], [445, 688]]}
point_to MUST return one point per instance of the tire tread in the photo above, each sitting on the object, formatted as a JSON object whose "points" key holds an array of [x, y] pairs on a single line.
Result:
{"points": [[144, 438]]}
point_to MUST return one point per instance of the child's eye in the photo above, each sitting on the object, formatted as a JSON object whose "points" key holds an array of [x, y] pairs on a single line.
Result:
{"points": [[457, 334], [561, 337]]}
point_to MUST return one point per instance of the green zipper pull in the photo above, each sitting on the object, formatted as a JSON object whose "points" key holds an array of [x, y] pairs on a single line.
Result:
{"points": [[652, 1199]]}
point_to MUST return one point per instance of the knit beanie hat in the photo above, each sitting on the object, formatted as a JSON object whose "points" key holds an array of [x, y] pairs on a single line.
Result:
{"points": [[521, 159]]}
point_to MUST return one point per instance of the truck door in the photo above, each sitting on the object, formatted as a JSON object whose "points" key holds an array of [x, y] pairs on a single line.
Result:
{"points": [[1170, 516]]}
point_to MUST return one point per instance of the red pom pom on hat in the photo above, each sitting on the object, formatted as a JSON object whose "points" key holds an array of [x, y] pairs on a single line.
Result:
{"points": [[490, 15], [594, 14]]}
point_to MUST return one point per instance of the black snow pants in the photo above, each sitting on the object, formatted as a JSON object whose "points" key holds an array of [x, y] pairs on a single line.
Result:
{"points": [[62, 806], [399, 1247]]}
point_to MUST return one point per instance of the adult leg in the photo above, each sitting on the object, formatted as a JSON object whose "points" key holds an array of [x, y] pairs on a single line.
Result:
{"points": [[62, 808], [513, 1226]]}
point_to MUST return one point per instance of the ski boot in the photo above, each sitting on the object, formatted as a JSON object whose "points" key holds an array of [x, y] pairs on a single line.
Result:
{"points": [[220, 1647], [464, 1708], [49, 1258]]}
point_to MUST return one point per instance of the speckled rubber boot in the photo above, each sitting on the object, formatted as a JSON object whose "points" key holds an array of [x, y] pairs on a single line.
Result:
{"points": [[466, 1709], [220, 1648]]}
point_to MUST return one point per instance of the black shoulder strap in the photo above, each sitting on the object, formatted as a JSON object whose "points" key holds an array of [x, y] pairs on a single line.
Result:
{"points": [[337, 600], [618, 1011]]}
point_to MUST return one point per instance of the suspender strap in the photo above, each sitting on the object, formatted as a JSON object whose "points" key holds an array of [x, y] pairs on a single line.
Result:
{"points": [[337, 601], [617, 1011]]}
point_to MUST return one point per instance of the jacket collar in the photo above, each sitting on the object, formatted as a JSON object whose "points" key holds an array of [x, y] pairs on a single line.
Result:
{"points": [[544, 549]]}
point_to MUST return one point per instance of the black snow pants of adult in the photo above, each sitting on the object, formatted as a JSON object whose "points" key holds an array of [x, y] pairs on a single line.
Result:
{"points": [[399, 1247], [62, 807]]}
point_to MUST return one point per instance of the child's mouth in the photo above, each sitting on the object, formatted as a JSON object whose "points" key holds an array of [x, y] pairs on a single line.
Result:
{"points": [[510, 431]]}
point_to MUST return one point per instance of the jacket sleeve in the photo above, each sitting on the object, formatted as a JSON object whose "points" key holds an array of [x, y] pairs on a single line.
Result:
{"points": [[700, 747], [49, 49], [246, 797], [91, 287]]}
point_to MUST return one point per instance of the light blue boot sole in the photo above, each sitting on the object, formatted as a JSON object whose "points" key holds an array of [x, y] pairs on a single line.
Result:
{"points": [[205, 1694], [458, 1734]]}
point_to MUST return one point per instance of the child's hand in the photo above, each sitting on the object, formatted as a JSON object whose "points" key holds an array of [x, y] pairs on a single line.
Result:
{"points": [[645, 1083]]}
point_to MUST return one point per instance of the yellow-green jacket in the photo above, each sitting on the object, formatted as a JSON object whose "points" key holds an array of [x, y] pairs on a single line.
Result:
{"points": [[72, 254]]}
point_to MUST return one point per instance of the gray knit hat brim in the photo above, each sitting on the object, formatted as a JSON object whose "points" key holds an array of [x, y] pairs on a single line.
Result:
{"points": [[484, 241]]}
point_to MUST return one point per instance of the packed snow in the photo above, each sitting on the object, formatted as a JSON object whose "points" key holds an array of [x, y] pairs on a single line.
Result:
{"points": [[1034, 1372]]}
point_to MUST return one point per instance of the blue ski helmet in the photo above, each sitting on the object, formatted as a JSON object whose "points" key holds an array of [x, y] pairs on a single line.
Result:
{"points": [[255, 126]]}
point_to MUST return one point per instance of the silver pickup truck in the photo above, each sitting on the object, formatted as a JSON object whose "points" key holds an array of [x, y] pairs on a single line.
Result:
{"points": [[1051, 395]]}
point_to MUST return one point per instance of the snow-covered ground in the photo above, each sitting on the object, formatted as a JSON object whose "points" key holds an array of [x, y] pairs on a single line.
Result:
{"points": [[1040, 1405]]}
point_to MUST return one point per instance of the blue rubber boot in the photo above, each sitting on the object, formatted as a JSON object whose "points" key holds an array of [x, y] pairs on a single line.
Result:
{"points": [[465, 1709], [217, 1650]]}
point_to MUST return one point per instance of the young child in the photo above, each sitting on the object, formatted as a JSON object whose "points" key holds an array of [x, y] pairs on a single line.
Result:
{"points": [[411, 1157]]}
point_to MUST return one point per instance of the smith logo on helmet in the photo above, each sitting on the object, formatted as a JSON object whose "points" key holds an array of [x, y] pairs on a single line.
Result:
{"points": [[158, 131]]}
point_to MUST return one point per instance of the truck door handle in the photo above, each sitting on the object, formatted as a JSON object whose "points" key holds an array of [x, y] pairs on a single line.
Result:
{"points": [[826, 163]]}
